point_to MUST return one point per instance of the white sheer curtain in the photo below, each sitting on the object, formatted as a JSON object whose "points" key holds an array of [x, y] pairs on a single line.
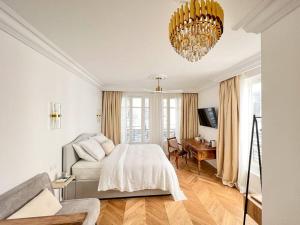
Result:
{"points": [[245, 124], [156, 118], [247, 109]]}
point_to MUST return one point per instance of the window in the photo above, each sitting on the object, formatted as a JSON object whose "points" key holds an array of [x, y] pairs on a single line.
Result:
{"points": [[250, 104], [255, 109], [170, 117], [135, 119], [150, 118]]}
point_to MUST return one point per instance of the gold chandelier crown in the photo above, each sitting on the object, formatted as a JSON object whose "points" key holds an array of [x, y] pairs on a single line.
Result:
{"points": [[195, 28]]}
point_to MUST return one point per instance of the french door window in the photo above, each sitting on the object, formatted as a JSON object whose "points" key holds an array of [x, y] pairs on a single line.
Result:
{"points": [[150, 118], [135, 119], [170, 117]]}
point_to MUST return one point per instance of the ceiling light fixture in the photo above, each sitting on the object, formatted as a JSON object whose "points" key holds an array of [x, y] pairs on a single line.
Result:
{"points": [[158, 88], [195, 28]]}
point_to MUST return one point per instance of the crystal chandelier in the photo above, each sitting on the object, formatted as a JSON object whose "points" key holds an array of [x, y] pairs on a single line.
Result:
{"points": [[195, 28]]}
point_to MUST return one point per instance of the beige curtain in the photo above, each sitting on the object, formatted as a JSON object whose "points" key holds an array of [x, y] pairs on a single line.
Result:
{"points": [[189, 116], [111, 115], [228, 131]]}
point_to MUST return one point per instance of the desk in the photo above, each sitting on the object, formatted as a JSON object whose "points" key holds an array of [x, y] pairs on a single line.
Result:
{"points": [[199, 151]]}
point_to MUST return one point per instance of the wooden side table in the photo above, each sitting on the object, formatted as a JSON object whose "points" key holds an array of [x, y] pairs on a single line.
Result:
{"points": [[199, 151], [62, 185]]}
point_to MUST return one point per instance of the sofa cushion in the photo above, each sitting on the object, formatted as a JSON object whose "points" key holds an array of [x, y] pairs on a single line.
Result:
{"points": [[17, 197], [89, 205], [44, 204]]}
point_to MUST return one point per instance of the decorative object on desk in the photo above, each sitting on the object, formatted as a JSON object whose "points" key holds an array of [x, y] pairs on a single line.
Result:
{"points": [[202, 140], [212, 143], [55, 115], [254, 130]]}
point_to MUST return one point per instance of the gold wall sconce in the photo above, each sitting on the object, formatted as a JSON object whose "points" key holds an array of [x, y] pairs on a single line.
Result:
{"points": [[55, 115], [99, 117]]}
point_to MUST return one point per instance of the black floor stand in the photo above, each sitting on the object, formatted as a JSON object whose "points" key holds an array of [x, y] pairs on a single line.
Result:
{"points": [[254, 127]]}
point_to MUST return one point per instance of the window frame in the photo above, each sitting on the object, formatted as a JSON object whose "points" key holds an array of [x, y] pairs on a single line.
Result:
{"points": [[143, 129], [168, 107]]}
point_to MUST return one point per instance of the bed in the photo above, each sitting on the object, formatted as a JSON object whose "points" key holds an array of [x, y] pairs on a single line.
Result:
{"points": [[110, 177]]}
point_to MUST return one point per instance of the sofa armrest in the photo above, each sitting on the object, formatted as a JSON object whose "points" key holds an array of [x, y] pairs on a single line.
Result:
{"points": [[70, 219]]}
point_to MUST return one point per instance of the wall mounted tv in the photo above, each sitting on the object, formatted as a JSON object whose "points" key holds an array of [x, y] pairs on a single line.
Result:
{"points": [[208, 117]]}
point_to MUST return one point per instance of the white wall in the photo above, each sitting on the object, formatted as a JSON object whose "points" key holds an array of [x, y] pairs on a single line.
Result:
{"points": [[209, 98], [28, 82], [281, 122]]}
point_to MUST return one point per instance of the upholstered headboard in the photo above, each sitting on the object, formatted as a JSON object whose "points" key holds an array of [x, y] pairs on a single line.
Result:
{"points": [[69, 156]]}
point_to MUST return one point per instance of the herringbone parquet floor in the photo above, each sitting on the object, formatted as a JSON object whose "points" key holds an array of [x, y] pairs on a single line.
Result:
{"points": [[209, 203]]}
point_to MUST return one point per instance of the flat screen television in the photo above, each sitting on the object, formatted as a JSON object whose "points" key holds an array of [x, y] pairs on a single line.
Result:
{"points": [[208, 117]]}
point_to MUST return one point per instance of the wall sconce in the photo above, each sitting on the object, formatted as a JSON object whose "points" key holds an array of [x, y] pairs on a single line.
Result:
{"points": [[99, 117], [55, 115]]}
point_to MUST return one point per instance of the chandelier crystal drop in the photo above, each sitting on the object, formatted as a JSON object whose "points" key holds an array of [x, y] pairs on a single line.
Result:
{"points": [[195, 28]]}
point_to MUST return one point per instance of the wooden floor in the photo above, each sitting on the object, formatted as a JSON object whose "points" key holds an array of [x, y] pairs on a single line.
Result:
{"points": [[208, 203]]}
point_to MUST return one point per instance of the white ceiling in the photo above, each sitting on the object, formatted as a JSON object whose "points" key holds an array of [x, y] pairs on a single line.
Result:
{"points": [[123, 42]]}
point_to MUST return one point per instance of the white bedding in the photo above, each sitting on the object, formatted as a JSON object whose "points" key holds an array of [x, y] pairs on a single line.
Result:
{"points": [[85, 170], [139, 167]]}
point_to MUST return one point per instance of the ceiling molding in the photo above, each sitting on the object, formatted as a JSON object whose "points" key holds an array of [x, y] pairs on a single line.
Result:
{"points": [[250, 66], [17, 27], [145, 90], [242, 67], [265, 14], [208, 86]]}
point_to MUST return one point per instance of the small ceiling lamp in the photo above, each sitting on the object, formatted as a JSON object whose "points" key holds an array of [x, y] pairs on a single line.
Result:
{"points": [[195, 28]]}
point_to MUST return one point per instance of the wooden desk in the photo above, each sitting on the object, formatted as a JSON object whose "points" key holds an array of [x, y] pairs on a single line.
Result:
{"points": [[199, 151]]}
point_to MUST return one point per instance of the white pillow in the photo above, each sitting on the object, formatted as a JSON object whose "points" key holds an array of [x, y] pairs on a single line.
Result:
{"points": [[108, 146], [100, 138], [93, 148], [44, 204], [83, 154]]}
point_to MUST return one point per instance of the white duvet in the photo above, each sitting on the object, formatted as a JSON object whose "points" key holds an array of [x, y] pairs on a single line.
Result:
{"points": [[139, 167]]}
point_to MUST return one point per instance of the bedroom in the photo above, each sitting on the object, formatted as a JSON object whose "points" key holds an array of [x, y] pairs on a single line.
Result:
{"points": [[74, 60]]}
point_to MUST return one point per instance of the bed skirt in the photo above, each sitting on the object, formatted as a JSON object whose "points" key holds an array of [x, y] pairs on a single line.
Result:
{"points": [[88, 189]]}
